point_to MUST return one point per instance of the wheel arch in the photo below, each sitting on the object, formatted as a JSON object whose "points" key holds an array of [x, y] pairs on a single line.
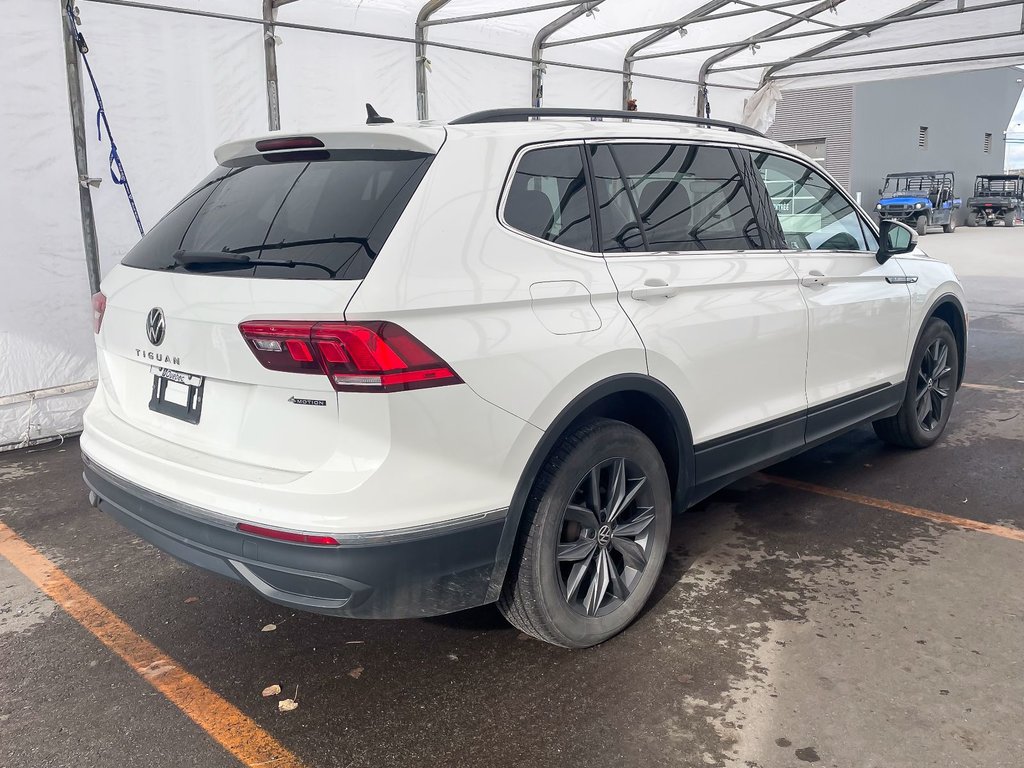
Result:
{"points": [[636, 399], [950, 309]]}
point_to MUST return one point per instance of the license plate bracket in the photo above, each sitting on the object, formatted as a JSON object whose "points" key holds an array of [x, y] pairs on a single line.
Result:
{"points": [[177, 394]]}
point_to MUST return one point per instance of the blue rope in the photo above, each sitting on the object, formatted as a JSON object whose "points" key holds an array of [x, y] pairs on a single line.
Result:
{"points": [[117, 173]]}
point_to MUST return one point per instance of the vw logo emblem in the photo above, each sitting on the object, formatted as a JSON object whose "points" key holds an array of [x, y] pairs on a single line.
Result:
{"points": [[604, 535], [155, 326]]}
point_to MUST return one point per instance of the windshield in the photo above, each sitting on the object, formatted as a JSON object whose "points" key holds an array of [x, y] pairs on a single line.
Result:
{"points": [[325, 219]]}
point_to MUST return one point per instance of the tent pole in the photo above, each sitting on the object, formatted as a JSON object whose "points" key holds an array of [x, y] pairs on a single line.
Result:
{"points": [[672, 25], [498, 14], [77, 104], [767, 34], [541, 40], [422, 110], [270, 63], [860, 28], [931, 62], [679, 24], [777, 66], [853, 35]]}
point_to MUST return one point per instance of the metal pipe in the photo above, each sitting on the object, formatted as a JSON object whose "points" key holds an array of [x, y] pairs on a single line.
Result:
{"points": [[788, 15], [270, 65], [654, 37], [499, 14], [958, 60], [838, 28], [396, 39], [865, 29], [422, 17], [671, 25], [778, 65], [77, 104], [782, 26], [541, 39]]}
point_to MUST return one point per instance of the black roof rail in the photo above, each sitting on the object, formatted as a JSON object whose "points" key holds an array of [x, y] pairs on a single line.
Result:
{"points": [[521, 114]]}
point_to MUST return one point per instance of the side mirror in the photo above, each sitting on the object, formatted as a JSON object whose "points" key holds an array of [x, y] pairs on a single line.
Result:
{"points": [[895, 238], [880, 190]]}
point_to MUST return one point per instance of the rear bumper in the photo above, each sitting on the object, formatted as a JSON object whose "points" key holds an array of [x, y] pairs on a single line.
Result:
{"points": [[397, 574]]}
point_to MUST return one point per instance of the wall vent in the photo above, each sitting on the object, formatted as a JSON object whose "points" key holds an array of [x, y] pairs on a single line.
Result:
{"points": [[988, 143], [922, 137]]}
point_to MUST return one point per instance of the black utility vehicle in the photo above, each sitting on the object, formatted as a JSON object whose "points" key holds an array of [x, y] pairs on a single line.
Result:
{"points": [[996, 198]]}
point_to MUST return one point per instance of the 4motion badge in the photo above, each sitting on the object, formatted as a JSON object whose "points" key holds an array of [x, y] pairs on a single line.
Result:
{"points": [[305, 401]]}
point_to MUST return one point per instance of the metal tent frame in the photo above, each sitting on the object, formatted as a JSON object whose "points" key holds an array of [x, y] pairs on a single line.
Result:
{"points": [[709, 11]]}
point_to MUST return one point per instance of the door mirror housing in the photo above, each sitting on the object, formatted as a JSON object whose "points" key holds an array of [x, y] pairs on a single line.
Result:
{"points": [[896, 238]]}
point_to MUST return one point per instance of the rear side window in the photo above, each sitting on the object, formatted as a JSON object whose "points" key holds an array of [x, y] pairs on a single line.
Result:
{"points": [[672, 197], [547, 197], [326, 219]]}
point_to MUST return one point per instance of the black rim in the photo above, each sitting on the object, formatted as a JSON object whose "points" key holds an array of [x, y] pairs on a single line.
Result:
{"points": [[934, 384], [606, 536]]}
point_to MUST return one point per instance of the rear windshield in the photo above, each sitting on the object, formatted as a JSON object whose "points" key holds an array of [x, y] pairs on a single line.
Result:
{"points": [[318, 220]]}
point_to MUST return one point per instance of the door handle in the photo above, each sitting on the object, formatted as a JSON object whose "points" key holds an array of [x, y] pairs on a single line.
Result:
{"points": [[653, 288], [813, 278]]}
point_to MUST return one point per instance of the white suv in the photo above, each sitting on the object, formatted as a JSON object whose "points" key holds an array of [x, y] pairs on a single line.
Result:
{"points": [[402, 370]]}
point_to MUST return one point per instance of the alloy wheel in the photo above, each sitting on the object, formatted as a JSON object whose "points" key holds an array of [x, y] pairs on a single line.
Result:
{"points": [[934, 385], [606, 537]]}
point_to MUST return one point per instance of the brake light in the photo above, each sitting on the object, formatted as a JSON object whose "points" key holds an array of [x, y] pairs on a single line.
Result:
{"points": [[291, 142], [297, 538], [363, 357], [99, 306]]}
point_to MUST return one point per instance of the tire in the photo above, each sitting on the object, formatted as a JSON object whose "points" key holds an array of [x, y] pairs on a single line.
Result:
{"points": [[1011, 219], [931, 391], [971, 220], [922, 224], [951, 227], [553, 587]]}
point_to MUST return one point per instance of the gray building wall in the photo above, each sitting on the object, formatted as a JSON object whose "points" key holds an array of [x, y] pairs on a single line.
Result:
{"points": [[820, 113], [872, 129], [957, 108]]}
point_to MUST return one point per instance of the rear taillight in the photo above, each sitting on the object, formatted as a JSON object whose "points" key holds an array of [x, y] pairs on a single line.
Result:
{"points": [[363, 357], [99, 306]]}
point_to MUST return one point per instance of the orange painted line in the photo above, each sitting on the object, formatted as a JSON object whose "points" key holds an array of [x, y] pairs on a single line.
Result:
{"points": [[225, 723], [904, 509]]}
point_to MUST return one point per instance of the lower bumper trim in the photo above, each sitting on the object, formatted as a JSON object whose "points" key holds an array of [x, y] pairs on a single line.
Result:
{"points": [[424, 576]]}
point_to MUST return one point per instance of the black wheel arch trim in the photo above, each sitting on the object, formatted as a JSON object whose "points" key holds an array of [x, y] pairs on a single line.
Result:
{"points": [[951, 299], [619, 384]]}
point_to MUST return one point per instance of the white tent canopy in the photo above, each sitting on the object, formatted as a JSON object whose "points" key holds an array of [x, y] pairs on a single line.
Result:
{"points": [[179, 77]]}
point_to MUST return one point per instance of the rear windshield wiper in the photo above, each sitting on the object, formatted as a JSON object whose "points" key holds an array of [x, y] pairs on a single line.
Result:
{"points": [[231, 260], [227, 258]]}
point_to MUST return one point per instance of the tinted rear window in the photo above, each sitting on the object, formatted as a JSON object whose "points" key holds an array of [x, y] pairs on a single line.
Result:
{"points": [[326, 219], [686, 198], [548, 198]]}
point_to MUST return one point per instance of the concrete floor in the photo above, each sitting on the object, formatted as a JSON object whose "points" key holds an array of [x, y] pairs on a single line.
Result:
{"points": [[788, 628]]}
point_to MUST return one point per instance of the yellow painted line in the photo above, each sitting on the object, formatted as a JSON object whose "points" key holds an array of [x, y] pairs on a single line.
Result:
{"points": [[225, 723], [994, 388], [904, 509]]}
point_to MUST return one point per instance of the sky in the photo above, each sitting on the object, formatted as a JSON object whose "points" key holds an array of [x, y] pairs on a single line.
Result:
{"points": [[1015, 152]]}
